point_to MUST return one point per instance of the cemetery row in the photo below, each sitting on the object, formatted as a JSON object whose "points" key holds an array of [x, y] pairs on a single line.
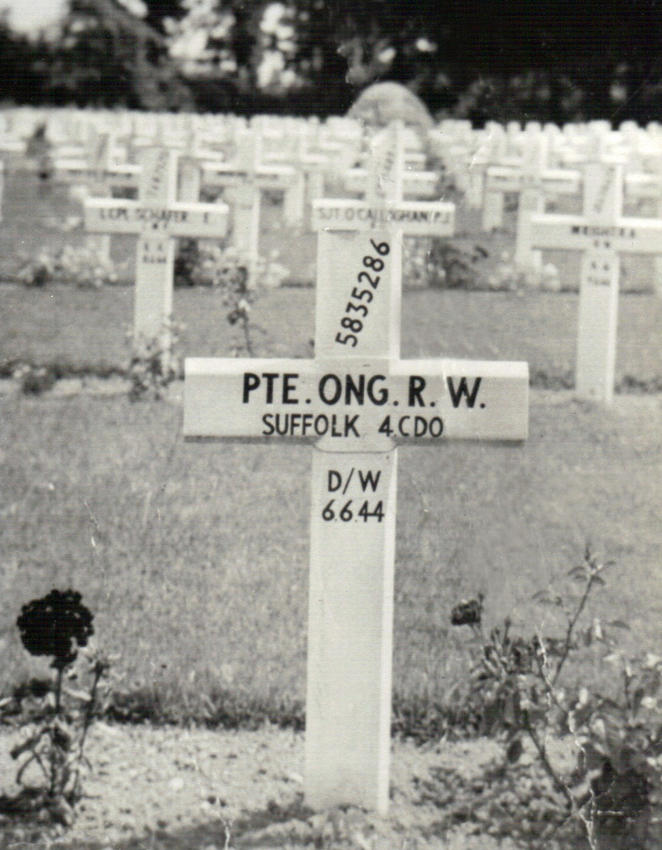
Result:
{"points": [[485, 164], [169, 161]]}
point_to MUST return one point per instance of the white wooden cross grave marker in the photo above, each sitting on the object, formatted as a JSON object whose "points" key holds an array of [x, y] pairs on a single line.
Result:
{"points": [[531, 180], [95, 166], [648, 184], [157, 219], [246, 178], [412, 182], [602, 234], [103, 176], [355, 402]]}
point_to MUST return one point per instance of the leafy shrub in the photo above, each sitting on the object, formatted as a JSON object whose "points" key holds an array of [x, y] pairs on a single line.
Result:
{"points": [[228, 271], [441, 264], [209, 264], [36, 380], [518, 691], [55, 715], [83, 266], [155, 362]]}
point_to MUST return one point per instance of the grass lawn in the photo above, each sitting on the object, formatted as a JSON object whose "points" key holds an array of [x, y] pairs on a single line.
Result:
{"points": [[86, 329], [194, 557]]}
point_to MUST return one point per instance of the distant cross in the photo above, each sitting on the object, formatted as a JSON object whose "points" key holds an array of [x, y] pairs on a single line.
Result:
{"points": [[103, 176], [355, 402], [601, 234], [648, 185], [94, 166], [423, 184], [531, 181], [244, 180], [157, 219]]}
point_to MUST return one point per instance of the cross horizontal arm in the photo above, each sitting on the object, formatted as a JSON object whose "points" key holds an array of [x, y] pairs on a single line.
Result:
{"points": [[414, 218], [421, 182], [266, 177], [573, 233], [552, 180], [107, 215], [126, 174], [355, 404], [643, 185]]}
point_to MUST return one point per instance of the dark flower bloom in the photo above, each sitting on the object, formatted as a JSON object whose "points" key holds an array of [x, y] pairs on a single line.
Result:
{"points": [[56, 625], [468, 613]]}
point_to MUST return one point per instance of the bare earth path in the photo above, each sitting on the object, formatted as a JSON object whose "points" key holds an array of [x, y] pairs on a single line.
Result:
{"points": [[157, 788]]}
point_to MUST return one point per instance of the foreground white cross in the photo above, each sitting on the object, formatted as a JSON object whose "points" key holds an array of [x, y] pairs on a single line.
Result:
{"points": [[355, 402], [157, 220], [602, 234]]}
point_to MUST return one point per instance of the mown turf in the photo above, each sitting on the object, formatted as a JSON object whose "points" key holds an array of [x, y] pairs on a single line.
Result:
{"points": [[194, 556], [84, 329]]}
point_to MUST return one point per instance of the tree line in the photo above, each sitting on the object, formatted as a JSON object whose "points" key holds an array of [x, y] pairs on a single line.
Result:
{"points": [[550, 60]]}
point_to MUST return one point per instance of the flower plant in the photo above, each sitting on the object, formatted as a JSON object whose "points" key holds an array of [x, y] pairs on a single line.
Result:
{"points": [[154, 361], [83, 266], [520, 687], [56, 717]]}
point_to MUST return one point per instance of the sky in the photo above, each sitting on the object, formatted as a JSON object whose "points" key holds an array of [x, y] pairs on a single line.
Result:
{"points": [[27, 15]]}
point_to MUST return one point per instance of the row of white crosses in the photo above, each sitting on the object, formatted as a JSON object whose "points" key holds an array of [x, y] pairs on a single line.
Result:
{"points": [[245, 175], [533, 182], [355, 402], [243, 179]]}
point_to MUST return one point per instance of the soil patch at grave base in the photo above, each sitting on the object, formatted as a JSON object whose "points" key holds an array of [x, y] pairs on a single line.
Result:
{"points": [[197, 789]]}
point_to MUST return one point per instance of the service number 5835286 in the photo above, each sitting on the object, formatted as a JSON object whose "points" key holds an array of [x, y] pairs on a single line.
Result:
{"points": [[357, 307]]}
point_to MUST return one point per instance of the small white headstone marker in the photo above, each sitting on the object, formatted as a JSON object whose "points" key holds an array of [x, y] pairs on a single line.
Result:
{"points": [[410, 182], [243, 181], [157, 219], [355, 402], [649, 185], [602, 234], [531, 180]]}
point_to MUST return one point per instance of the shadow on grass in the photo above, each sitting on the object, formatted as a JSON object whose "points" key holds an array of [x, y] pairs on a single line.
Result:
{"points": [[293, 825]]}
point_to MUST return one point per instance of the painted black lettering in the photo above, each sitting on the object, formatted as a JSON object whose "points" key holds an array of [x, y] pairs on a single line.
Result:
{"points": [[336, 389], [369, 479], [251, 382], [289, 387], [380, 397], [270, 378], [416, 387], [456, 393], [352, 388], [350, 426]]}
